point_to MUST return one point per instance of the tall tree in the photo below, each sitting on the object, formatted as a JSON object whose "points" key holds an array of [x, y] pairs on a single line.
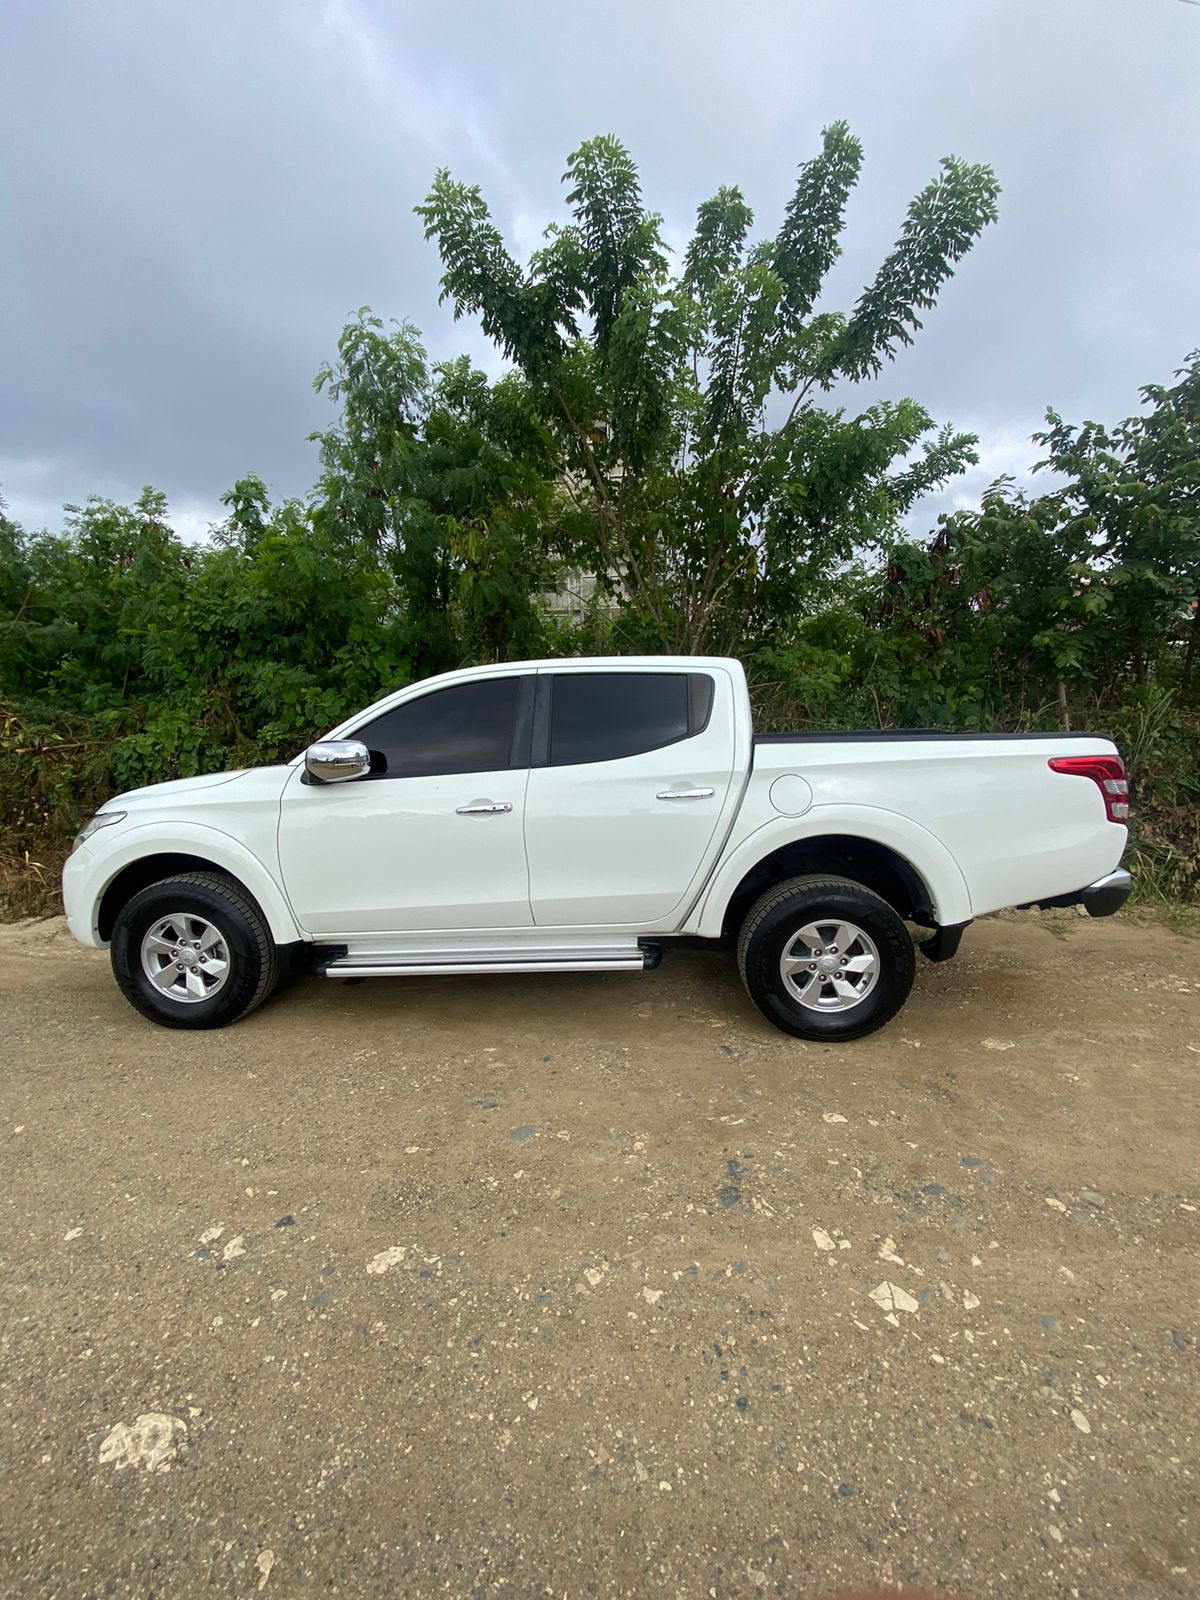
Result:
{"points": [[710, 490], [446, 480]]}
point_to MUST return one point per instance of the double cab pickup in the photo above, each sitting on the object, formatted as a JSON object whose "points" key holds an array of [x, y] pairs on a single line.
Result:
{"points": [[579, 816]]}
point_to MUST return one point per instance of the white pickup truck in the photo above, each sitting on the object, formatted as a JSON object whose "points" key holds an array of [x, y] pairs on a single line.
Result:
{"points": [[578, 815]]}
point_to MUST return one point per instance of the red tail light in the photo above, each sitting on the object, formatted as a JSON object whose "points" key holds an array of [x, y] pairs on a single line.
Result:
{"points": [[1108, 773]]}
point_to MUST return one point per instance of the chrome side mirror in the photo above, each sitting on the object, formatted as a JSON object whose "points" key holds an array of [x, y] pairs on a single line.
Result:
{"points": [[336, 760]]}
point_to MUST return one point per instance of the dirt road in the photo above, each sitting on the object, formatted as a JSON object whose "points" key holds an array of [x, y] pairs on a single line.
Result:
{"points": [[574, 1286]]}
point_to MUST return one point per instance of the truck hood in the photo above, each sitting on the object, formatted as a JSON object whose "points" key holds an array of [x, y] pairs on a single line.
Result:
{"points": [[177, 789]]}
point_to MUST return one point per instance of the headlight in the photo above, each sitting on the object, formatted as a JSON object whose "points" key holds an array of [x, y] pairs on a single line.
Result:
{"points": [[102, 819]]}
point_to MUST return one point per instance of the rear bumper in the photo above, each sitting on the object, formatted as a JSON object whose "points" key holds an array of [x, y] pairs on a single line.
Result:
{"points": [[1107, 894], [1099, 899]]}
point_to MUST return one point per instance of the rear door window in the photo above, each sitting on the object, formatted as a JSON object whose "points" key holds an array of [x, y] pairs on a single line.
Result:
{"points": [[603, 716]]}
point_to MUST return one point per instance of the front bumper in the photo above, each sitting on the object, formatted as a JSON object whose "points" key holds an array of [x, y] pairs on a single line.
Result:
{"points": [[1099, 899], [81, 896]]}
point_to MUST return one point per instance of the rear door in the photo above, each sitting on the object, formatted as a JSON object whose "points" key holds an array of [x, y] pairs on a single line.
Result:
{"points": [[630, 772]]}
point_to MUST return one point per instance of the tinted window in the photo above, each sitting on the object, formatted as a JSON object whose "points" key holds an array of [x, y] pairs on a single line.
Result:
{"points": [[599, 716], [465, 729], [700, 699]]}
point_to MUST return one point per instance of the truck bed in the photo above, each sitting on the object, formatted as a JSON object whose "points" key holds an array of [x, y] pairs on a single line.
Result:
{"points": [[897, 734]]}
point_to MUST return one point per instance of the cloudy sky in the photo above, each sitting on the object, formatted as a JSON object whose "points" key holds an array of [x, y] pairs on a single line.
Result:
{"points": [[193, 198]]}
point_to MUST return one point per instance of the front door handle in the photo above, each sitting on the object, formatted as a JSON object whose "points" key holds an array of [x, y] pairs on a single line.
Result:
{"points": [[686, 794], [486, 808]]}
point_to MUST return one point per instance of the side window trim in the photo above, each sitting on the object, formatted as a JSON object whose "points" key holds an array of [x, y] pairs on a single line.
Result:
{"points": [[518, 756], [539, 754]]}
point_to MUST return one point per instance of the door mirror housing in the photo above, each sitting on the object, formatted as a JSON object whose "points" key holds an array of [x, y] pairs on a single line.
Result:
{"points": [[336, 761]]}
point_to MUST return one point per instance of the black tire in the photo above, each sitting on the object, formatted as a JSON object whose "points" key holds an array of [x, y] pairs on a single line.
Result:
{"points": [[777, 917], [253, 967]]}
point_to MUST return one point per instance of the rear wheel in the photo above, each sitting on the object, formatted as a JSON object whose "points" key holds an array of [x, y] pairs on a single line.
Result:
{"points": [[194, 951], [825, 958]]}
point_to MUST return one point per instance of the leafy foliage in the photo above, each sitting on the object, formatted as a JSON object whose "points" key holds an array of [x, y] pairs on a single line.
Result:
{"points": [[670, 435], [704, 519]]}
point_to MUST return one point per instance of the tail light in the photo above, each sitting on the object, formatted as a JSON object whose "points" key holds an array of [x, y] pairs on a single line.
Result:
{"points": [[1107, 773]]}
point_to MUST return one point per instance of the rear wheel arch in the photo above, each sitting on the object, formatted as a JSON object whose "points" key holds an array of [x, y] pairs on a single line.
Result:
{"points": [[876, 866]]}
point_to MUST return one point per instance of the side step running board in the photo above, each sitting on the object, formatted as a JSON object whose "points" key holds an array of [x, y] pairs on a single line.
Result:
{"points": [[633, 956]]}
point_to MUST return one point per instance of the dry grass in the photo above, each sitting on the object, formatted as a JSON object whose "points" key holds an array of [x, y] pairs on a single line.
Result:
{"points": [[29, 885]]}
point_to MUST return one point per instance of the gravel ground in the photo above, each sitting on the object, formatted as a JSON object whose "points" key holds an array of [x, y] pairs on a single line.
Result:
{"points": [[600, 1286]]}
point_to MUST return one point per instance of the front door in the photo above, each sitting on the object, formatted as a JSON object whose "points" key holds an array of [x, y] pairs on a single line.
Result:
{"points": [[621, 813], [432, 840]]}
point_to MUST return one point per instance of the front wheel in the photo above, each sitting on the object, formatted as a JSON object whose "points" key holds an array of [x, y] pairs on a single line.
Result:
{"points": [[194, 951], [825, 958]]}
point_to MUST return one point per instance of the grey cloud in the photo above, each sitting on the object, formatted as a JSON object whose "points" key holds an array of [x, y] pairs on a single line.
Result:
{"points": [[194, 198]]}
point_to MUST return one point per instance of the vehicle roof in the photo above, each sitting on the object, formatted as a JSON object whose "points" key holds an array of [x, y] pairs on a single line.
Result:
{"points": [[558, 663], [688, 663]]}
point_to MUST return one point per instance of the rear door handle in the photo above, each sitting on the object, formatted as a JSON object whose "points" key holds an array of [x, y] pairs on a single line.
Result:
{"points": [[686, 794], [482, 808]]}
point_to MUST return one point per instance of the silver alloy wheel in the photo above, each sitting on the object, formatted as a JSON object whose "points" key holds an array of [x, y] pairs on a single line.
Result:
{"points": [[186, 957], [830, 965]]}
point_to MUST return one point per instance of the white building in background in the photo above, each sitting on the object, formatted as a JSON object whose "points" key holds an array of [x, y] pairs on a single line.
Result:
{"points": [[574, 596], [570, 601]]}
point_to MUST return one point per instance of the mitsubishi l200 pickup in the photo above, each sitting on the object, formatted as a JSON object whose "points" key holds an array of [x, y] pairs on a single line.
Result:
{"points": [[578, 816]]}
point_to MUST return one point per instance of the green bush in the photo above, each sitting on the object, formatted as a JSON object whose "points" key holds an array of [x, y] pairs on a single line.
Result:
{"points": [[441, 519]]}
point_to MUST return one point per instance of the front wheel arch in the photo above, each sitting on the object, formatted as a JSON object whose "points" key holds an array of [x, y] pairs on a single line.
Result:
{"points": [[140, 874], [193, 848]]}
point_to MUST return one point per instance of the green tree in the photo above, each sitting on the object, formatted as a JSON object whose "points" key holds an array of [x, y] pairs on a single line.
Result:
{"points": [[1132, 502], [709, 489], [487, 475], [447, 480], [1083, 594]]}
